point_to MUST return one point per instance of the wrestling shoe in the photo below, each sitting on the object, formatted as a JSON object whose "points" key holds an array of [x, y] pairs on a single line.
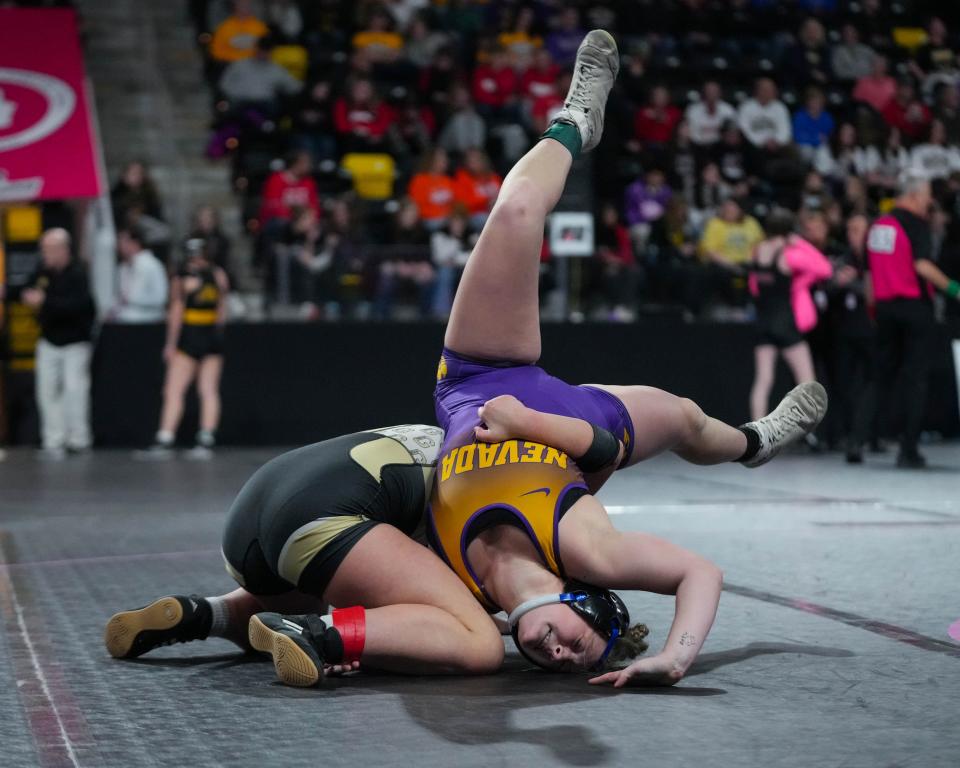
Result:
{"points": [[594, 71], [798, 415], [169, 620], [296, 644]]}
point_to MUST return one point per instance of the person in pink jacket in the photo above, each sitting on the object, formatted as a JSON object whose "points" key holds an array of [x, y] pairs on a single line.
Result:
{"points": [[784, 267]]}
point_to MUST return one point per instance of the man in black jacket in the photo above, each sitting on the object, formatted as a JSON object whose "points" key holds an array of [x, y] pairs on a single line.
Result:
{"points": [[60, 293]]}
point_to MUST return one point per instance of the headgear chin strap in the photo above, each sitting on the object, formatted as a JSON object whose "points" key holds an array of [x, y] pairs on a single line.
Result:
{"points": [[602, 609]]}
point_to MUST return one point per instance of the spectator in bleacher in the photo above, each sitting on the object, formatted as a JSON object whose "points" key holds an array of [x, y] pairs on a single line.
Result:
{"points": [[312, 126], [439, 80], [711, 192], [379, 40], [856, 199], [539, 90], [450, 247], [141, 282], [235, 38], [894, 161], [907, 113], [730, 155], [850, 58], [206, 227], [423, 43], [707, 116], [808, 62], [464, 128], [814, 193], [258, 82], [361, 119], [495, 88], [729, 238], [309, 255], [563, 41], [406, 266], [672, 252], [947, 111], [934, 159], [476, 186], [284, 19], [847, 155], [411, 132], [60, 293], [135, 189], [878, 88], [875, 22], [432, 190], [645, 201], [937, 58], [812, 124], [655, 122], [620, 275], [519, 38], [681, 162], [764, 119], [292, 187]]}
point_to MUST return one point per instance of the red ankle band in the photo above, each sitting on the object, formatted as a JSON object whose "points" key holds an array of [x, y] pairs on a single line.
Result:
{"points": [[351, 623]]}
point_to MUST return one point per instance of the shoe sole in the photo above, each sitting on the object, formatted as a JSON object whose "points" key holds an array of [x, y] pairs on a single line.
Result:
{"points": [[123, 628], [294, 667]]}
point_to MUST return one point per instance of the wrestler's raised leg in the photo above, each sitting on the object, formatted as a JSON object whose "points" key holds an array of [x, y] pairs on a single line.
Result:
{"points": [[495, 314]]}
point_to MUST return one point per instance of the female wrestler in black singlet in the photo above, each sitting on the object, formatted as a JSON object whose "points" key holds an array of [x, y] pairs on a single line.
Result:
{"points": [[331, 523], [193, 350]]}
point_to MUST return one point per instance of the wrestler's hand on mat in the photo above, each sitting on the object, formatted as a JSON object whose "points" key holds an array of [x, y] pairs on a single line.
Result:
{"points": [[504, 418], [653, 670]]}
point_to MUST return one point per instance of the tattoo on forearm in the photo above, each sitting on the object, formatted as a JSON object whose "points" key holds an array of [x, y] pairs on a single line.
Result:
{"points": [[687, 639]]}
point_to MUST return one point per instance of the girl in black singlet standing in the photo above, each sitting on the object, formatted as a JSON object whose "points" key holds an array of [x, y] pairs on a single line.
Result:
{"points": [[194, 349]]}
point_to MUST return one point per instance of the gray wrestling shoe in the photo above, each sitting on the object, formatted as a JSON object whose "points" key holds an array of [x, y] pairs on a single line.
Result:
{"points": [[798, 415], [594, 71]]}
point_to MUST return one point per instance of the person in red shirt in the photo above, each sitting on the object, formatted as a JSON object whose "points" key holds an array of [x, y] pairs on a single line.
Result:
{"points": [[619, 274], [540, 89], [476, 186], [293, 187], [361, 119], [432, 190], [906, 112], [495, 87], [654, 123]]}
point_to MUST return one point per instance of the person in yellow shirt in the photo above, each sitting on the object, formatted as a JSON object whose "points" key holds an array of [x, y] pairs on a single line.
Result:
{"points": [[379, 40], [236, 36], [730, 237]]}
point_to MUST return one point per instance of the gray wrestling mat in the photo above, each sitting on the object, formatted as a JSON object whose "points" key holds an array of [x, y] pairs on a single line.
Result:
{"points": [[831, 647]]}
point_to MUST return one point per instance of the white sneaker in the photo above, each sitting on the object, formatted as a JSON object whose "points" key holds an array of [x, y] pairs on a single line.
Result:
{"points": [[594, 71], [52, 454], [199, 453], [798, 415], [156, 452]]}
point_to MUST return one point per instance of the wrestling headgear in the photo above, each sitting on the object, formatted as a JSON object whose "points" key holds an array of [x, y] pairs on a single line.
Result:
{"points": [[602, 609]]}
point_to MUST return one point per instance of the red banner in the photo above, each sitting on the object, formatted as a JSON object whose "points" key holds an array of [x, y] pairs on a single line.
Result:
{"points": [[46, 141]]}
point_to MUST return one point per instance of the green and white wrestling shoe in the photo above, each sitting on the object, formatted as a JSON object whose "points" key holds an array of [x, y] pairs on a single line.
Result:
{"points": [[594, 71]]}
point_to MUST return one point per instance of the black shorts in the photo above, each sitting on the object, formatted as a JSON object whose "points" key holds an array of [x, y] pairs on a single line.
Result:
{"points": [[781, 332], [200, 341], [298, 517]]}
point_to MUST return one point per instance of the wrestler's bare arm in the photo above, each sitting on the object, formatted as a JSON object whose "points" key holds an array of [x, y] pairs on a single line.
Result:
{"points": [[596, 552]]}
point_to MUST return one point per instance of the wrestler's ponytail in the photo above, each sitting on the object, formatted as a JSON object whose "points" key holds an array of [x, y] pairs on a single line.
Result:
{"points": [[628, 646]]}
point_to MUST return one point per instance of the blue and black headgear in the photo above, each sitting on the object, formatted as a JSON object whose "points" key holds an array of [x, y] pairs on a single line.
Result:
{"points": [[602, 609]]}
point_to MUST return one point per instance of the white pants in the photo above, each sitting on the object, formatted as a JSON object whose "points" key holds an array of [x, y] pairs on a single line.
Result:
{"points": [[63, 394]]}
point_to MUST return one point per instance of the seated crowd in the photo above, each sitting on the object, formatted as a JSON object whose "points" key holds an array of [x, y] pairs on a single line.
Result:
{"points": [[369, 139]]}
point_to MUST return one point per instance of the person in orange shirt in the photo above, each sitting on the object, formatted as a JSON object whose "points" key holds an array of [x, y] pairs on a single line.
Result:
{"points": [[379, 40], [237, 35], [476, 186], [432, 190]]}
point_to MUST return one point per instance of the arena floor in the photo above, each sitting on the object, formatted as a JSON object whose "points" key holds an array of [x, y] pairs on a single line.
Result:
{"points": [[831, 647]]}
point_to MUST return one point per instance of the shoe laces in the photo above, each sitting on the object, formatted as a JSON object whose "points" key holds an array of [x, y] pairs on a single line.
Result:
{"points": [[580, 97]]}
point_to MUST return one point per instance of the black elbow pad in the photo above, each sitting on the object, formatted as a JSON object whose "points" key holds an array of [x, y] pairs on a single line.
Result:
{"points": [[603, 451]]}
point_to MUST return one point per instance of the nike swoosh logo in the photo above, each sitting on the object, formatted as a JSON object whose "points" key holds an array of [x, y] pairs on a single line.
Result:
{"points": [[544, 491]]}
